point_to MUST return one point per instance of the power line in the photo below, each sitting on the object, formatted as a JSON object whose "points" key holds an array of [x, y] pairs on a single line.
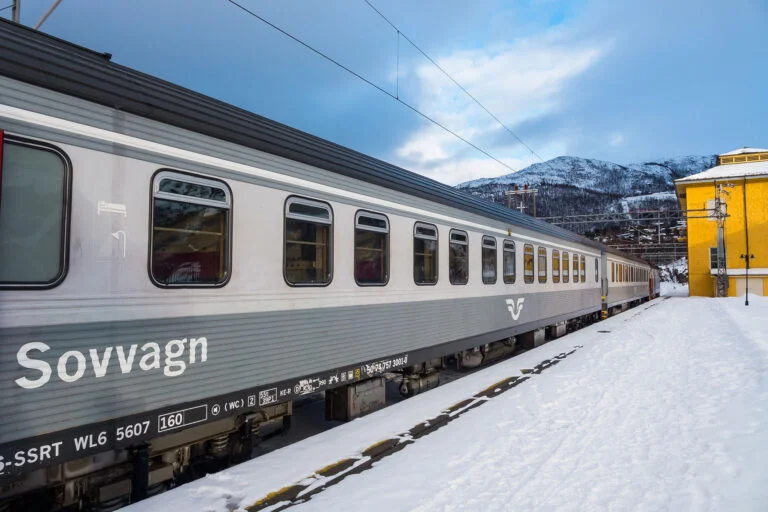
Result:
{"points": [[400, 33], [7, 7], [348, 70]]}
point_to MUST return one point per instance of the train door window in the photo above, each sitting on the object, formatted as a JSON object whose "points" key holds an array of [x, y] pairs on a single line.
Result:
{"points": [[542, 264], [458, 257], [555, 266], [371, 248], [575, 268], [597, 271], [510, 265], [424, 253], [489, 260], [34, 217], [583, 271], [528, 263], [191, 230], [566, 267], [308, 237]]}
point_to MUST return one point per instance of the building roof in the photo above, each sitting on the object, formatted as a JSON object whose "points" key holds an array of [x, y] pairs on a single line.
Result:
{"points": [[751, 169], [742, 151]]}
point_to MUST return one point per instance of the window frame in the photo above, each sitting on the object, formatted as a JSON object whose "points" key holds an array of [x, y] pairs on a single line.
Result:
{"points": [[545, 278], [465, 243], [565, 270], [437, 251], [555, 277], [575, 271], [66, 213], [504, 251], [197, 179], [597, 270], [375, 230], [583, 268], [533, 263], [309, 202], [495, 258]]}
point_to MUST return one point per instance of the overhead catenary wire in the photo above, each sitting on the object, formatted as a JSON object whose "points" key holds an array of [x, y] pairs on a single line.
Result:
{"points": [[6, 7], [430, 59], [377, 87]]}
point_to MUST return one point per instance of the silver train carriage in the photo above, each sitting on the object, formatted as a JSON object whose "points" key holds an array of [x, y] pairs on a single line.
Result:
{"points": [[174, 271]]}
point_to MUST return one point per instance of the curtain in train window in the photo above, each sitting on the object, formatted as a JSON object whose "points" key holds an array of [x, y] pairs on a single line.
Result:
{"points": [[510, 265], [566, 267], [190, 230], [542, 264], [575, 259], [308, 235], [583, 272], [555, 266], [528, 263], [613, 272], [371, 249], [489, 260], [424, 253], [34, 198], [458, 257]]}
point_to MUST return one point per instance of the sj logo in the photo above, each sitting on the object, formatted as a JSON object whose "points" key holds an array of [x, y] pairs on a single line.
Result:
{"points": [[515, 307]]}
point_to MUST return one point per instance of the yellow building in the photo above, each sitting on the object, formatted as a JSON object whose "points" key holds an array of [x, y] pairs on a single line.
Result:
{"points": [[740, 183]]}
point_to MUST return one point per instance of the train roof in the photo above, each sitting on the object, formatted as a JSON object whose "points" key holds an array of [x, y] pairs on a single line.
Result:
{"points": [[34, 57]]}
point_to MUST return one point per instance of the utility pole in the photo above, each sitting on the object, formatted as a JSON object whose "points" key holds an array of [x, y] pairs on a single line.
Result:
{"points": [[720, 215], [526, 197], [16, 11], [47, 13]]}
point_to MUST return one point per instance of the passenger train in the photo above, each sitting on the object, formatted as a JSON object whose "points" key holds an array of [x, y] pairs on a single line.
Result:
{"points": [[175, 271]]}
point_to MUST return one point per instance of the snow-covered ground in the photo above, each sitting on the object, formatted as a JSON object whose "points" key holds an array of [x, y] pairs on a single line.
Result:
{"points": [[664, 407]]}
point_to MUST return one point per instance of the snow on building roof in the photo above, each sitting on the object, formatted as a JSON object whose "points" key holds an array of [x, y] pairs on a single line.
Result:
{"points": [[742, 151], [750, 169]]}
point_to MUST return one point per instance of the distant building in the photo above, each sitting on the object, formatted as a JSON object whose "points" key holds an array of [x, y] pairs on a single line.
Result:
{"points": [[740, 183]]}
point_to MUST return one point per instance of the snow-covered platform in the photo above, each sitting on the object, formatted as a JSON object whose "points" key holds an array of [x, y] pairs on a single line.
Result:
{"points": [[664, 407]]}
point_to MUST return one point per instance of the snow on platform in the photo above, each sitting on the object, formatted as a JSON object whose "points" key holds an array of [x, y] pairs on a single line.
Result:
{"points": [[667, 410]]}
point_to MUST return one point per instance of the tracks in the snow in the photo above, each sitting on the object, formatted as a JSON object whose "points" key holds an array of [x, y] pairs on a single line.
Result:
{"points": [[332, 474]]}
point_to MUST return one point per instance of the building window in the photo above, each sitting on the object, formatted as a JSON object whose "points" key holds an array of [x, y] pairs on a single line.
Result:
{"points": [[510, 265], [458, 257], [528, 263], [308, 232], [566, 267], [34, 215], [489, 260], [191, 218], [597, 271], [583, 272], [424, 253], [371, 248], [542, 264], [555, 266], [575, 259]]}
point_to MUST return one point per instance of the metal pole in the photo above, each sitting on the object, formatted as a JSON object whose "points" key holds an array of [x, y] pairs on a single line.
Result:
{"points": [[16, 11], [47, 13]]}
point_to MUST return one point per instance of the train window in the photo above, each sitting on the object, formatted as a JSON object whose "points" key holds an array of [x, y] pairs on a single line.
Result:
{"points": [[191, 230], [371, 249], [33, 222], [424, 253], [458, 257], [583, 272], [542, 264], [613, 271], [308, 232], [510, 265], [566, 267], [528, 263], [575, 259], [555, 266], [626, 274], [597, 271], [489, 260]]}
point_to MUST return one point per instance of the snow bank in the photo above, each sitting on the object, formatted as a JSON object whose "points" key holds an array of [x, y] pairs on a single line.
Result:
{"points": [[664, 408]]}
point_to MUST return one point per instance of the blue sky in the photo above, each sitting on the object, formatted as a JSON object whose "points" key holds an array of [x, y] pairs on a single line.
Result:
{"points": [[618, 80]]}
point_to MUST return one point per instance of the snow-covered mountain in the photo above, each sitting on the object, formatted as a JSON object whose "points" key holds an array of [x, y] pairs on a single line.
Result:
{"points": [[571, 186]]}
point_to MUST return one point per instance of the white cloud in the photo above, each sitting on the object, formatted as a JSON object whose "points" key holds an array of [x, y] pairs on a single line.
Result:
{"points": [[517, 81], [617, 139]]}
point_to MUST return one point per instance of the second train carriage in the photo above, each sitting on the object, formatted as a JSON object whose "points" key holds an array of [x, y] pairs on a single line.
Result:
{"points": [[175, 270]]}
